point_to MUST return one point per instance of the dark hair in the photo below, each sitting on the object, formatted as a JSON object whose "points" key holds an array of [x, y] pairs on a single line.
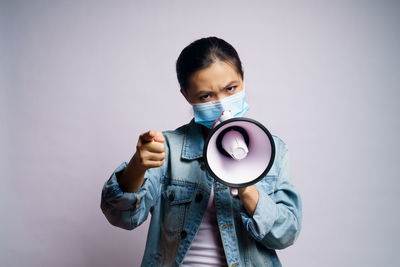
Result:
{"points": [[201, 54]]}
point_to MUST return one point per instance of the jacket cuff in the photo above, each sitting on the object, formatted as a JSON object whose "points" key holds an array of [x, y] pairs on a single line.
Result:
{"points": [[113, 195], [263, 218]]}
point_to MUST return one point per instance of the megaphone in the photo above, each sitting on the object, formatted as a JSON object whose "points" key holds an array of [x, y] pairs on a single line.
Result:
{"points": [[238, 152]]}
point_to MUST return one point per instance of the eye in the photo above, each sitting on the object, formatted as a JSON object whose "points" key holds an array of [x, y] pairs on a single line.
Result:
{"points": [[231, 89], [204, 97]]}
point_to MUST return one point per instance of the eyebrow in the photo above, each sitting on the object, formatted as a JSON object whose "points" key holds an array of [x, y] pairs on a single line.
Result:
{"points": [[230, 84], [226, 86]]}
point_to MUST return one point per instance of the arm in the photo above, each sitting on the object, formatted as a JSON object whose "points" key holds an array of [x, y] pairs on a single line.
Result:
{"points": [[277, 217], [130, 192], [150, 153]]}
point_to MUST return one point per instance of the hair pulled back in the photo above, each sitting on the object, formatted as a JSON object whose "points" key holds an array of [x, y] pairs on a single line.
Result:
{"points": [[201, 54]]}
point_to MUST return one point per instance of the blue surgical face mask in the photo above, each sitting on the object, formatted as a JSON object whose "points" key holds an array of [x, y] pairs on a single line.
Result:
{"points": [[207, 113]]}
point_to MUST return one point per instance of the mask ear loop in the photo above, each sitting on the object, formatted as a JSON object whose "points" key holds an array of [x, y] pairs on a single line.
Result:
{"points": [[225, 115]]}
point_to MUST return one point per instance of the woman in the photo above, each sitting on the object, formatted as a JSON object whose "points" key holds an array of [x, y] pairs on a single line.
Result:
{"points": [[194, 219]]}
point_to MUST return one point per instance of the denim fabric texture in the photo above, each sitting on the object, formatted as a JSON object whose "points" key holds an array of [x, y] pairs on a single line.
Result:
{"points": [[169, 194]]}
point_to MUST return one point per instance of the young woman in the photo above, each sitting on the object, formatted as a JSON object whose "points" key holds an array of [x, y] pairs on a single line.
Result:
{"points": [[194, 219]]}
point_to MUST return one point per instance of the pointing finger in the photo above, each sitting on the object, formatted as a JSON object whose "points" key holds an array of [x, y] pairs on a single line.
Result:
{"points": [[159, 137], [148, 136]]}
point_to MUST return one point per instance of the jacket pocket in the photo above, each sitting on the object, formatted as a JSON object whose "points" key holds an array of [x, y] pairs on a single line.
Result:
{"points": [[176, 201]]}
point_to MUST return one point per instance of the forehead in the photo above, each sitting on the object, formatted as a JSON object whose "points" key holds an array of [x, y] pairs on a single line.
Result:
{"points": [[215, 77]]}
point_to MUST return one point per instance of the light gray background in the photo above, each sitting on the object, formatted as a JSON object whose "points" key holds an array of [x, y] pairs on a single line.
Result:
{"points": [[80, 80]]}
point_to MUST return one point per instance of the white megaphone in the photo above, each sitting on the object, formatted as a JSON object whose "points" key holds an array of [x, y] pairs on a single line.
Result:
{"points": [[238, 152]]}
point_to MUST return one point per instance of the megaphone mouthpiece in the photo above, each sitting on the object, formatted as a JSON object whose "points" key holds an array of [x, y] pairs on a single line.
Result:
{"points": [[234, 144]]}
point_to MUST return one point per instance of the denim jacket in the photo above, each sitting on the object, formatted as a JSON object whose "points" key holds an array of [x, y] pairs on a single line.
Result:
{"points": [[176, 195]]}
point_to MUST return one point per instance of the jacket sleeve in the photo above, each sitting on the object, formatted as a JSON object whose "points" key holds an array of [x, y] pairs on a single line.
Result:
{"points": [[128, 210], [276, 222]]}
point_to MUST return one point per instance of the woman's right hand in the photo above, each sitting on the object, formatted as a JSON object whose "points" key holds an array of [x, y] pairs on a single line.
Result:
{"points": [[150, 153], [150, 150]]}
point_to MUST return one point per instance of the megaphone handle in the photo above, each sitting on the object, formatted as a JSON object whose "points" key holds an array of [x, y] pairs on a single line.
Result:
{"points": [[234, 191]]}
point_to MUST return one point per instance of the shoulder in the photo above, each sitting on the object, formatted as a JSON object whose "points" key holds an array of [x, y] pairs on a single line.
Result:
{"points": [[174, 139], [280, 145], [178, 133], [281, 155]]}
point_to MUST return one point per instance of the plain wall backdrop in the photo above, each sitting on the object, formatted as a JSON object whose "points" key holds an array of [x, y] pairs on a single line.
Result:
{"points": [[80, 80]]}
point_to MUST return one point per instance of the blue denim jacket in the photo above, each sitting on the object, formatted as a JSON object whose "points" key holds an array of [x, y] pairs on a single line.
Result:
{"points": [[169, 194]]}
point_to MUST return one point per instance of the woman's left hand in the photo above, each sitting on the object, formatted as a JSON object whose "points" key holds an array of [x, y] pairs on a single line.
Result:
{"points": [[249, 197]]}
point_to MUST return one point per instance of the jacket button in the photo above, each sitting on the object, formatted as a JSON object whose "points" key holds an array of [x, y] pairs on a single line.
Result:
{"points": [[171, 196], [183, 234], [199, 197], [202, 165]]}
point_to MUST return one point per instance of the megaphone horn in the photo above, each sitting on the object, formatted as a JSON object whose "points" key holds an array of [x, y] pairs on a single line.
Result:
{"points": [[238, 152]]}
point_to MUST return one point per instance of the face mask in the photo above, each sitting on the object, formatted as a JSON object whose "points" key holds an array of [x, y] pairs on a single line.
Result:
{"points": [[207, 113]]}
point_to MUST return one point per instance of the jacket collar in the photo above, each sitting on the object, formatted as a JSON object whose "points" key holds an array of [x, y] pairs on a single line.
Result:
{"points": [[193, 142]]}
